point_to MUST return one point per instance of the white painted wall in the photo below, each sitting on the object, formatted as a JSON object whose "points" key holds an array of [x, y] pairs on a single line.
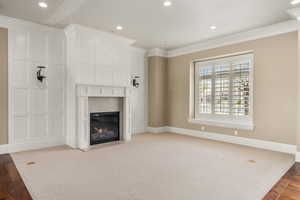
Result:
{"points": [[100, 58], [139, 95], [35, 110]]}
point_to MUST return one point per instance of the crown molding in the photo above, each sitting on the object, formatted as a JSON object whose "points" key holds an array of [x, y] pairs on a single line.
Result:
{"points": [[157, 52], [275, 29], [69, 29], [14, 23]]}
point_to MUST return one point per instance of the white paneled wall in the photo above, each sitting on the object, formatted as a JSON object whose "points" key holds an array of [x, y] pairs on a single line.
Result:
{"points": [[100, 58], [139, 104], [43, 114], [36, 109]]}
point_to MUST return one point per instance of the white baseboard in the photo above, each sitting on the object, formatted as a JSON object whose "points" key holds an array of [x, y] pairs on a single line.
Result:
{"points": [[12, 148], [273, 146], [261, 144], [157, 129]]}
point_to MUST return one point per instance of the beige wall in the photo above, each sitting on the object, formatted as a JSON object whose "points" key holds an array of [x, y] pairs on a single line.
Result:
{"points": [[3, 86], [157, 113], [275, 88]]}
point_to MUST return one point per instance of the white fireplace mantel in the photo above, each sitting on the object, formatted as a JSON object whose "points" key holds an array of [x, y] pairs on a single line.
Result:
{"points": [[83, 92]]}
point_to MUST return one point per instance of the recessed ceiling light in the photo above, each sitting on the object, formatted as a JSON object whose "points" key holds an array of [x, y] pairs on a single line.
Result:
{"points": [[43, 4], [298, 18], [119, 28], [213, 27], [167, 3], [294, 2]]}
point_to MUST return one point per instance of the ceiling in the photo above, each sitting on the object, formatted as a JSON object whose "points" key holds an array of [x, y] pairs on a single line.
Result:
{"points": [[150, 23]]}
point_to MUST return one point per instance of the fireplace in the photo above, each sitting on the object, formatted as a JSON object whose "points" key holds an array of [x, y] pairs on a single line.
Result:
{"points": [[96, 99], [104, 127]]}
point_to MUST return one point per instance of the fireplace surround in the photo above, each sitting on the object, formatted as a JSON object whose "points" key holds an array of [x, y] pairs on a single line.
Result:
{"points": [[90, 93]]}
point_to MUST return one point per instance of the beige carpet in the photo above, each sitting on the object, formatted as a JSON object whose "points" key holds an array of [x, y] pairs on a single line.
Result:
{"points": [[153, 167]]}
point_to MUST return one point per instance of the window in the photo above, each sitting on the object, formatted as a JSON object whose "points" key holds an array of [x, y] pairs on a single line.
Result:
{"points": [[223, 91]]}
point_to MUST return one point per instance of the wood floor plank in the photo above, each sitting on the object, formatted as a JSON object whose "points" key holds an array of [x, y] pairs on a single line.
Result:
{"points": [[288, 188], [12, 186]]}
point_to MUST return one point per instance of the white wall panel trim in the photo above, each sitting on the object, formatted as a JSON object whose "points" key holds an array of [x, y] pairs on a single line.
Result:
{"points": [[32, 45]]}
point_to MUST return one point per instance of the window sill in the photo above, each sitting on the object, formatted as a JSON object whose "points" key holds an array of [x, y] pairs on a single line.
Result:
{"points": [[245, 125]]}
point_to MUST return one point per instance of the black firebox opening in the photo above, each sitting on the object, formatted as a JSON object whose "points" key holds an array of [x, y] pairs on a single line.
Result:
{"points": [[104, 127]]}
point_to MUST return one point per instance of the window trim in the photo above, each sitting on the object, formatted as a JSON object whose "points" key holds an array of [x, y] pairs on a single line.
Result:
{"points": [[236, 122]]}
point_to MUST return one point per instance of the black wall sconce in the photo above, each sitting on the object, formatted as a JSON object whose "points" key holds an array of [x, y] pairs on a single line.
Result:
{"points": [[40, 73], [135, 81]]}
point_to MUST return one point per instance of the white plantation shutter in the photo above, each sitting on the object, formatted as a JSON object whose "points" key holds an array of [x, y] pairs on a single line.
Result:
{"points": [[205, 90], [223, 88], [241, 89]]}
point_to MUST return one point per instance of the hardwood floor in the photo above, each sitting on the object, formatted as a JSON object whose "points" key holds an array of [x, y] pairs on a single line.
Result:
{"points": [[288, 188], [12, 186]]}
